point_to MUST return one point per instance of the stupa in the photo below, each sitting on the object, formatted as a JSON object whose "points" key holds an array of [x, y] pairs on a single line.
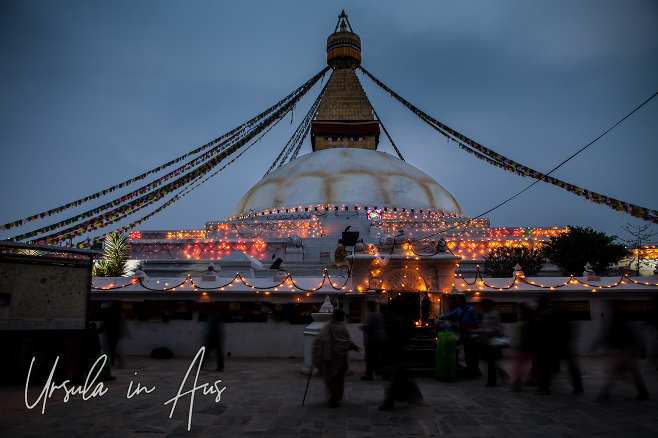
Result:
{"points": [[346, 221]]}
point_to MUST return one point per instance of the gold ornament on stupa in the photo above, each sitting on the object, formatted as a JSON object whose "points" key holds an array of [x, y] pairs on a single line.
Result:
{"points": [[345, 118]]}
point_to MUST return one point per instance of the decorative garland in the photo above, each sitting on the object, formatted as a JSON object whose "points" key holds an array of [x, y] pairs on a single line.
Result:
{"points": [[322, 210], [302, 131], [505, 163], [410, 225], [268, 226], [149, 198], [571, 280], [188, 178], [59, 237], [326, 278], [297, 136], [252, 247], [230, 135]]}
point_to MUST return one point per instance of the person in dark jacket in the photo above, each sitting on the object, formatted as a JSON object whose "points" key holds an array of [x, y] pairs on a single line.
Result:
{"points": [[330, 355], [374, 336], [467, 320], [626, 348]]}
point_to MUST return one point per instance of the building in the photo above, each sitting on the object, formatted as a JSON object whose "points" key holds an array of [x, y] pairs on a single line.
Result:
{"points": [[345, 221]]}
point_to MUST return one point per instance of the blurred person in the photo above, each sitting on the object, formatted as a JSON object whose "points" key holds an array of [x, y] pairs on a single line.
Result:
{"points": [[626, 348], [399, 332], [490, 330], [215, 337], [93, 353], [467, 320], [374, 335], [330, 350], [651, 326], [446, 352], [113, 328], [526, 350], [555, 344]]}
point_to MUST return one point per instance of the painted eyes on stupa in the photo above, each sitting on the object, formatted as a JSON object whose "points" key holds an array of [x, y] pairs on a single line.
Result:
{"points": [[346, 138]]}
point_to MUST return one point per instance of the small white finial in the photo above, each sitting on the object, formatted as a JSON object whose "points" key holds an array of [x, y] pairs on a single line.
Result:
{"points": [[518, 272], [327, 307], [589, 273], [210, 274]]}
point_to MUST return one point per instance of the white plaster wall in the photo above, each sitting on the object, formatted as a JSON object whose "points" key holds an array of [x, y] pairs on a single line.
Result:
{"points": [[282, 339], [245, 339]]}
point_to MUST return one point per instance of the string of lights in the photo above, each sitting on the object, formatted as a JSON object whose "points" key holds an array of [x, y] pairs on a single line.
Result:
{"points": [[326, 279], [516, 279]]}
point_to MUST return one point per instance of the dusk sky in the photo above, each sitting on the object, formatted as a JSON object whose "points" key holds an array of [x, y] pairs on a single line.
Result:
{"points": [[94, 93]]}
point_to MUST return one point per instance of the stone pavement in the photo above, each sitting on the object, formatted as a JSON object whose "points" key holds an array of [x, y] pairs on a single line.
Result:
{"points": [[263, 397]]}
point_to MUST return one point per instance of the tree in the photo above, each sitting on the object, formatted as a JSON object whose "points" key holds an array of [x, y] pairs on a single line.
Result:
{"points": [[115, 257], [571, 251], [641, 236], [500, 262]]}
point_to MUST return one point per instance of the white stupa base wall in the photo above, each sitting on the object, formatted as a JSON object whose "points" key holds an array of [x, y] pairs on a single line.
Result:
{"points": [[245, 339]]}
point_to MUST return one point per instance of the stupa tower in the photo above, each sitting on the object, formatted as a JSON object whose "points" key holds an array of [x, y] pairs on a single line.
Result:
{"points": [[344, 118], [345, 171]]}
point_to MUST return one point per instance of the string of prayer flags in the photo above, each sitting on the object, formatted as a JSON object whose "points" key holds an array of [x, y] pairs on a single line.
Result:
{"points": [[498, 160]]}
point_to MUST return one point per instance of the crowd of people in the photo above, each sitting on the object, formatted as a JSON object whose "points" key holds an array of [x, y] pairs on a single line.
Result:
{"points": [[385, 337], [544, 340]]}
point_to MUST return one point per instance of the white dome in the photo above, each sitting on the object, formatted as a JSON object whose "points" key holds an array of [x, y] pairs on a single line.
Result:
{"points": [[347, 176]]}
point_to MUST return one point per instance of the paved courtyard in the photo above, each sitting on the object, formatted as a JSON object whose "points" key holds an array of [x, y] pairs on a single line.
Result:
{"points": [[263, 397]]}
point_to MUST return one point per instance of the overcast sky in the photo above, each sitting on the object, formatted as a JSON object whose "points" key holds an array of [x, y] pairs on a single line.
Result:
{"points": [[94, 93]]}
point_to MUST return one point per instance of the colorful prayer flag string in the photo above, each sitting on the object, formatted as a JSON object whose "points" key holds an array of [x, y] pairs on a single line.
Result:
{"points": [[503, 162]]}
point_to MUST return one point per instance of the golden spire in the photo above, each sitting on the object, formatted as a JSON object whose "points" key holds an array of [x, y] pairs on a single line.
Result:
{"points": [[344, 118], [343, 46]]}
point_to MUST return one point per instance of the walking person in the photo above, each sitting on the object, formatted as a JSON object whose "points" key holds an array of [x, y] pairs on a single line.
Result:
{"points": [[399, 331], [113, 328], [490, 330], [526, 348], [467, 320], [374, 336], [626, 349], [557, 343], [215, 338], [330, 350]]}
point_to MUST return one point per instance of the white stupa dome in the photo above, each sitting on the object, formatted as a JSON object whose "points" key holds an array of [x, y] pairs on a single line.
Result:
{"points": [[347, 176]]}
